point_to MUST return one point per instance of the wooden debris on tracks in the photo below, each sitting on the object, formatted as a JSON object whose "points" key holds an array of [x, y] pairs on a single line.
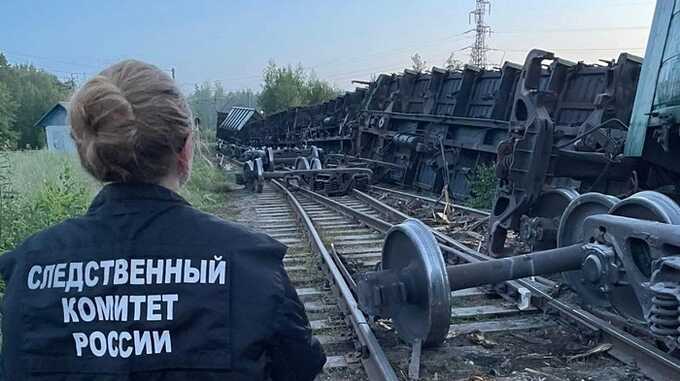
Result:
{"points": [[593, 351]]}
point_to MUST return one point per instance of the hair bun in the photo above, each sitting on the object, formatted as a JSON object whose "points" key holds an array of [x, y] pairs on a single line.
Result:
{"points": [[129, 122]]}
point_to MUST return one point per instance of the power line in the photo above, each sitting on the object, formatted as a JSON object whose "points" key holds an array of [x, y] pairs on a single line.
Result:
{"points": [[479, 48], [572, 30], [382, 68], [398, 66], [334, 62], [573, 49], [416, 45]]}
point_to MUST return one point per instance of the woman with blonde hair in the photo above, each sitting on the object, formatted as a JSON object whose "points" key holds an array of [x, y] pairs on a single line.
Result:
{"points": [[143, 286]]}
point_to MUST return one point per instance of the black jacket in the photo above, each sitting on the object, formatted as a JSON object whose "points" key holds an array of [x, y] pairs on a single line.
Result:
{"points": [[145, 287]]}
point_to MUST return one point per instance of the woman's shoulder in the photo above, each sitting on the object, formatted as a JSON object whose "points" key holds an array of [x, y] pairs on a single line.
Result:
{"points": [[184, 226], [68, 233]]}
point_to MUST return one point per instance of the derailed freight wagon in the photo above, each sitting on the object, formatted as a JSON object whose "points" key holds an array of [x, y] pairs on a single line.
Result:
{"points": [[428, 130], [438, 123], [566, 135]]}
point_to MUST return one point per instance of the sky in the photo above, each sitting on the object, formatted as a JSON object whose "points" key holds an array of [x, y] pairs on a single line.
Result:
{"points": [[231, 41]]}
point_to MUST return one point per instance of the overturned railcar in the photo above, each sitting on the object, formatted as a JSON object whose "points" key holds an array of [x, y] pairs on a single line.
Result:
{"points": [[562, 154], [436, 126], [415, 129], [230, 126], [566, 136], [554, 128]]}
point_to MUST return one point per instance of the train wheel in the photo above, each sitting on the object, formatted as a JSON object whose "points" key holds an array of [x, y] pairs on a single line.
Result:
{"points": [[649, 205], [269, 158], [249, 175], [316, 164], [301, 163], [637, 261], [570, 232], [411, 245], [258, 184]]}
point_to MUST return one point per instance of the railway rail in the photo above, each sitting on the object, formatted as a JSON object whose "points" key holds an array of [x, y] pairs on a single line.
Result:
{"points": [[334, 316], [586, 189], [626, 347], [514, 330]]}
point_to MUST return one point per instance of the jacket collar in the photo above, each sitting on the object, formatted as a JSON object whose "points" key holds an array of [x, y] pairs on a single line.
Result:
{"points": [[121, 192]]}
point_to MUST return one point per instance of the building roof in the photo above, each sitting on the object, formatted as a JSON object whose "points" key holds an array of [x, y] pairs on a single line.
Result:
{"points": [[60, 105], [238, 117]]}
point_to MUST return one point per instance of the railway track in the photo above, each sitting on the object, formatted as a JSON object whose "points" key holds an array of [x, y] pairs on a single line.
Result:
{"points": [[465, 224], [272, 213], [490, 337]]}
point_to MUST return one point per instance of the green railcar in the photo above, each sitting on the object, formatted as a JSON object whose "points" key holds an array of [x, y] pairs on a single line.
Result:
{"points": [[653, 133]]}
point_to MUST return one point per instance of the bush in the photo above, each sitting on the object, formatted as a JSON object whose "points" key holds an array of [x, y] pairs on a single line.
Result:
{"points": [[42, 188], [206, 188], [58, 200], [13, 225], [58, 197], [482, 183]]}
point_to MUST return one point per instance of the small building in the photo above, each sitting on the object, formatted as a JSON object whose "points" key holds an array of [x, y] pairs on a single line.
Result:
{"points": [[57, 129]]}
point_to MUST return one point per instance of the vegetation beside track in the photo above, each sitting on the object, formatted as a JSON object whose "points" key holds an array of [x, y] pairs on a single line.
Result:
{"points": [[42, 188], [482, 181]]}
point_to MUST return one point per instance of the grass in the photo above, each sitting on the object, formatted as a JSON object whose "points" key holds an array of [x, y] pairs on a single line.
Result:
{"points": [[41, 188], [207, 187], [30, 170]]}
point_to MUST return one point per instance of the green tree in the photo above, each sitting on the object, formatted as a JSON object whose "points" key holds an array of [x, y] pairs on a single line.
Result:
{"points": [[202, 103], [418, 63], [34, 92], [288, 86], [8, 108], [283, 88], [452, 63], [317, 91], [208, 98], [244, 98]]}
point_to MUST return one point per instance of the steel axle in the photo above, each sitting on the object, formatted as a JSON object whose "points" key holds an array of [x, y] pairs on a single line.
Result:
{"points": [[498, 270], [414, 285]]}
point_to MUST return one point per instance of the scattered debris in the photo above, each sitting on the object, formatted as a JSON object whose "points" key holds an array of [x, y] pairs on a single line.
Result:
{"points": [[443, 217], [531, 339], [480, 377], [593, 351], [474, 235], [478, 338], [385, 324], [548, 376], [480, 223], [353, 358]]}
